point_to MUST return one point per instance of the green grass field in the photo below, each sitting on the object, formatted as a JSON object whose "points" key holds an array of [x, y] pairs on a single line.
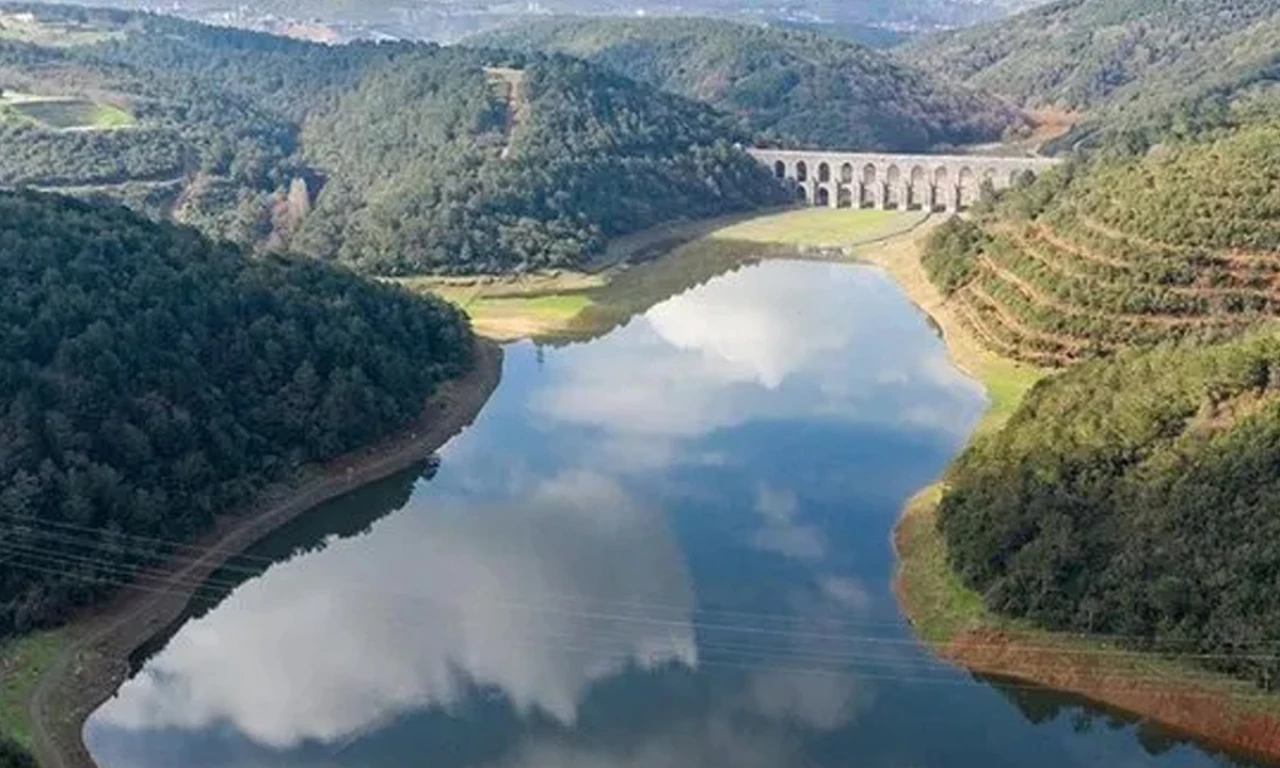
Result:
{"points": [[550, 310], [941, 607], [821, 227], [22, 662], [553, 305], [68, 113], [510, 308], [1007, 382]]}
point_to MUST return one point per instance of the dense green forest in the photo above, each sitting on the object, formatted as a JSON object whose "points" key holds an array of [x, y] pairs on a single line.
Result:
{"points": [[395, 158], [151, 379], [435, 167], [1137, 497], [790, 86], [1123, 250], [1145, 68]]}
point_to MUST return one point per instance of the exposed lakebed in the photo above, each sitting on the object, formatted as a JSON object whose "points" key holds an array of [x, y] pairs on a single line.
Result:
{"points": [[668, 546]]}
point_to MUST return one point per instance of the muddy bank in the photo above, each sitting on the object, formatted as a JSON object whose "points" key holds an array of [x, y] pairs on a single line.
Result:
{"points": [[1214, 718], [1216, 711], [95, 660]]}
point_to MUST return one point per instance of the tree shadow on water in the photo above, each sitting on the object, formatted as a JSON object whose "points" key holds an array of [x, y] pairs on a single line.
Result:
{"points": [[1041, 706]]}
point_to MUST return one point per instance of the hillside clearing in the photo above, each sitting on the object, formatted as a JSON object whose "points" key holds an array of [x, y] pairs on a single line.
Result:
{"points": [[66, 113]]}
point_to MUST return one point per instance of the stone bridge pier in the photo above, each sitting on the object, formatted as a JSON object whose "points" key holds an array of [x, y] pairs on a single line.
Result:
{"points": [[894, 182]]}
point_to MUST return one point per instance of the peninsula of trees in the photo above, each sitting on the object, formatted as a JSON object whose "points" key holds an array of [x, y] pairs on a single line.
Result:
{"points": [[1136, 497]]}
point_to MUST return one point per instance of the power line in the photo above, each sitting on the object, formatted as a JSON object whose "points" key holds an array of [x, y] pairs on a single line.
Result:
{"points": [[235, 567], [952, 676], [120, 577], [230, 565]]}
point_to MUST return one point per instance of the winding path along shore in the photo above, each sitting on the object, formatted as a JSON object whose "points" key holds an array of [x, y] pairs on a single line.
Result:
{"points": [[94, 661]]}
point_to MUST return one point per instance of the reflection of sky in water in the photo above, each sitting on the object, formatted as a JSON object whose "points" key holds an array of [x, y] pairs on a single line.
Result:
{"points": [[668, 547]]}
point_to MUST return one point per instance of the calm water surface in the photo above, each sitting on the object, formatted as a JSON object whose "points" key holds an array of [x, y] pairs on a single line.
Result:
{"points": [[668, 547]]}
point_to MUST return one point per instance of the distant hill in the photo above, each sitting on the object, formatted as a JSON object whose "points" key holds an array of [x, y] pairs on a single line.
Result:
{"points": [[444, 20], [853, 32], [1179, 244], [791, 86], [394, 158], [1150, 66]]}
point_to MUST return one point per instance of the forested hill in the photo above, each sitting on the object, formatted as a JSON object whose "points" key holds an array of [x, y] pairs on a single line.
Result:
{"points": [[1178, 244], [1163, 229], [393, 157], [1136, 497], [150, 378], [1140, 65], [1133, 495], [792, 86], [436, 163]]}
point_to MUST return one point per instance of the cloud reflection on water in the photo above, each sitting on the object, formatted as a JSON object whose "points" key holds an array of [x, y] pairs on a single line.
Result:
{"points": [[432, 600], [465, 587], [764, 343]]}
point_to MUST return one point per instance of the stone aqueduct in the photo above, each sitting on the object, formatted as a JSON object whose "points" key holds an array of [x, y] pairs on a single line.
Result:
{"points": [[927, 182]]}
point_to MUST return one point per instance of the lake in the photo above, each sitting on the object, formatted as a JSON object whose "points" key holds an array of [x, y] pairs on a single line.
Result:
{"points": [[667, 546]]}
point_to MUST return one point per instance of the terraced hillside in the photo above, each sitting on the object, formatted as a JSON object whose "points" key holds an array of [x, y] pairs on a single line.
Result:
{"points": [[1181, 244]]}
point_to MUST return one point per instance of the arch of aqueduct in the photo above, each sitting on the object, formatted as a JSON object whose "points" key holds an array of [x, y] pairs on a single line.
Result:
{"points": [[862, 180]]}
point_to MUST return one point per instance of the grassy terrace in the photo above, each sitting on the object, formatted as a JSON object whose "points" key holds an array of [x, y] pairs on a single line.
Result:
{"points": [[1044, 292]]}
